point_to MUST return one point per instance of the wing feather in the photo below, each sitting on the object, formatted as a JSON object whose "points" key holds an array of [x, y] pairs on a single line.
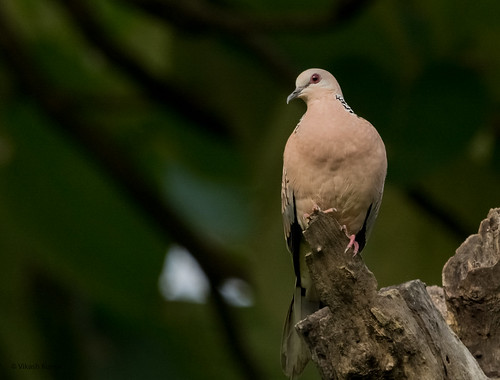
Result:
{"points": [[292, 229]]}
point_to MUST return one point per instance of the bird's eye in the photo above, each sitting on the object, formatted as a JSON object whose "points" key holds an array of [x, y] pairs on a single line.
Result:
{"points": [[315, 78]]}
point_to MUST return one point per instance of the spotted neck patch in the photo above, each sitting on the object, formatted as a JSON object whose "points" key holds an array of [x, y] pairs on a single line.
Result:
{"points": [[344, 103]]}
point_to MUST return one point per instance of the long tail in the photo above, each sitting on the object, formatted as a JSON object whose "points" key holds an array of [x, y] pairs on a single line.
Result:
{"points": [[294, 352]]}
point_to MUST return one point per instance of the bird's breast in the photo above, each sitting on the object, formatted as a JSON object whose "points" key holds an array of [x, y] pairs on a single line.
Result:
{"points": [[336, 167]]}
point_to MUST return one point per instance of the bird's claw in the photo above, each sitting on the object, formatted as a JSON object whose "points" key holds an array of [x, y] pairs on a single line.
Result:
{"points": [[316, 210], [352, 244], [352, 241]]}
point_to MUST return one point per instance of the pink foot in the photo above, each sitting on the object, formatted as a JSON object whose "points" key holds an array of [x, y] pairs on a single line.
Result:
{"points": [[331, 209], [316, 209], [352, 242]]}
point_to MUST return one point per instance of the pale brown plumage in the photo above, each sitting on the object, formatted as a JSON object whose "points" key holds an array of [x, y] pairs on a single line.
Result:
{"points": [[332, 160]]}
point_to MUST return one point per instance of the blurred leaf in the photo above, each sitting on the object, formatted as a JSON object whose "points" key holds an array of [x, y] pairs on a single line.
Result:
{"points": [[79, 226], [217, 209], [435, 121]]}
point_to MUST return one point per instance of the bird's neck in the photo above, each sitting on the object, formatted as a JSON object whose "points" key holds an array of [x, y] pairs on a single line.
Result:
{"points": [[327, 103]]}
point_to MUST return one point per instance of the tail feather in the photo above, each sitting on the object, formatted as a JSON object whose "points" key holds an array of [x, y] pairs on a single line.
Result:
{"points": [[294, 353]]}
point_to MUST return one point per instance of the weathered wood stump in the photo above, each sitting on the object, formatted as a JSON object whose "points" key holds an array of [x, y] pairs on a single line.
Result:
{"points": [[398, 332], [471, 281]]}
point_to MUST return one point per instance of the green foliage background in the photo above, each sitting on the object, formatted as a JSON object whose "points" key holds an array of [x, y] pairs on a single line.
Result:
{"points": [[127, 126]]}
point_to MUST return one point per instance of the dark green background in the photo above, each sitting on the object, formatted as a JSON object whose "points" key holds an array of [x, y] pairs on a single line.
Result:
{"points": [[127, 126]]}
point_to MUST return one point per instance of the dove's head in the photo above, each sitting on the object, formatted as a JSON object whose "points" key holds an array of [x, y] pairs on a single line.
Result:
{"points": [[314, 83]]}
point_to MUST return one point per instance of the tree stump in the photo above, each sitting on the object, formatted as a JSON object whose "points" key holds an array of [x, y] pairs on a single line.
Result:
{"points": [[398, 332], [471, 281]]}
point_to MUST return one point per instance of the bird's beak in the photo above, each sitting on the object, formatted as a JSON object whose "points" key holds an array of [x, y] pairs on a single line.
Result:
{"points": [[294, 94]]}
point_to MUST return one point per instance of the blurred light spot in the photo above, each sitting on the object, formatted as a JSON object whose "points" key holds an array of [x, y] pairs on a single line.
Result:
{"points": [[182, 278], [237, 292], [482, 147]]}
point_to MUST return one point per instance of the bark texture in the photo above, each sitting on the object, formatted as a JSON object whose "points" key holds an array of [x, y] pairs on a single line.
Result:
{"points": [[400, 332], [471, 281]]}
